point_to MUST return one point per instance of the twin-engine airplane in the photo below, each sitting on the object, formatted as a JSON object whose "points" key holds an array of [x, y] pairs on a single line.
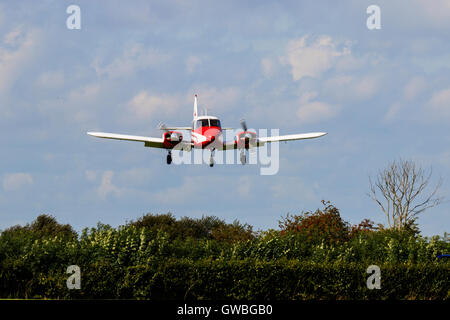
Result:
{"points": [[206, 133]]}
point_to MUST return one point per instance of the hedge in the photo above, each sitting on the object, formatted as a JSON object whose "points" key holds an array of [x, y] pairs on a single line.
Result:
{"points": [[248, 279]]}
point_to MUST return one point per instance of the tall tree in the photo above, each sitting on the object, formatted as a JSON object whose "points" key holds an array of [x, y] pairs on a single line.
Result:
{"points": [[403, 190]]}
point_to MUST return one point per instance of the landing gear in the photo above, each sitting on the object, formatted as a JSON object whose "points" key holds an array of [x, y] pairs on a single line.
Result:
{"points": [[169, 158], [211, 159], [243, 157]]}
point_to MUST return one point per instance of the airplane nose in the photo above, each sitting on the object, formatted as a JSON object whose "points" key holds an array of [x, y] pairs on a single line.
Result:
{"points": [[212, 135]]}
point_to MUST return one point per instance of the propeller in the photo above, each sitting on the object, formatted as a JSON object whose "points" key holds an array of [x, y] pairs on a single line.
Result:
{"points": [[243, 125], [162, 126], [246, 134]]}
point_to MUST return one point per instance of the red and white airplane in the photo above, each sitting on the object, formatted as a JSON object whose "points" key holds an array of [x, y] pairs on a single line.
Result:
{"points": [[206, 133]]}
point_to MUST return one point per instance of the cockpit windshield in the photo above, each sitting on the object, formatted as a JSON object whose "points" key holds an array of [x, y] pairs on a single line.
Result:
{"points": [[206, 123], [214, 123]]}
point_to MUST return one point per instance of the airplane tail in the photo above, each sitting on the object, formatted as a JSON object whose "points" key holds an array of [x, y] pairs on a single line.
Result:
{"points": [[195, 106]]}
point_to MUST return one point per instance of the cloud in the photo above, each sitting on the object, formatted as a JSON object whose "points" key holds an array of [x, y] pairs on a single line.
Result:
{"points": [[192, 62], [439, 103], [144, 105], [244, 186], [135, 177], [314, 111], [349, 88], [436, 12], [291, 187], [17, 50], [51, 80], [91, 175], [215, 99], [267, 67], [134, 58], [414, 87], [16, 181], [192, 191], [311, 58], [12, 38], [106, 186]]}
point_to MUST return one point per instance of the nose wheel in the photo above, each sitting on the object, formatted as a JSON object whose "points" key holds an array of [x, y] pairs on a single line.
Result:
{"points": [[169, 158], [211, 159], [243, 157]]}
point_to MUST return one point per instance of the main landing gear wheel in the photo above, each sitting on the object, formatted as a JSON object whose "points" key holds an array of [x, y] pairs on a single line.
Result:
{"points": [[169, 158], [243, 158]]}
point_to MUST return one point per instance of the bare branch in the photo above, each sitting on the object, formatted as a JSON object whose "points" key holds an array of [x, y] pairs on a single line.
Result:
{"points": [[403, 186]]}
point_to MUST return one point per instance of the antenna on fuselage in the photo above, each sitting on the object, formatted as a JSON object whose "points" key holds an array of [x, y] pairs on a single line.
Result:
{"points": [[195, 106]]}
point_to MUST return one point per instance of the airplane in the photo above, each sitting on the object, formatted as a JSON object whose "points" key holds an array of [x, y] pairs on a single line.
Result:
{"points": [[206, 133]]}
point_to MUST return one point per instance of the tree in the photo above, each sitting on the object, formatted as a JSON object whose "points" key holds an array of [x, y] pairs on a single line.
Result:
{"points": [[403, 191], [321, 225]]}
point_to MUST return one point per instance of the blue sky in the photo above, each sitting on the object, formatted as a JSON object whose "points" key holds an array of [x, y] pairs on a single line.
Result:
{"points": [[299, 66]]}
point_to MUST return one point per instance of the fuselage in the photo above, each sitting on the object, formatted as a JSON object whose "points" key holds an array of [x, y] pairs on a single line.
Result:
{"points": [[205, 131]]}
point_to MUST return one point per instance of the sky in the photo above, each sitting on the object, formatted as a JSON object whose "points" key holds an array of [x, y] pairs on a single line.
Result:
{"points": [[297, 66]]}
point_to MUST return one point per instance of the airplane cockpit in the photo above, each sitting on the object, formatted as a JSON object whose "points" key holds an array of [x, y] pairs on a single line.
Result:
{"points": [[206, 122]]}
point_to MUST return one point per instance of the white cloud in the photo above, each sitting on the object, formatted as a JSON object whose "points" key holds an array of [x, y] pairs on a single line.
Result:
{"points": [[135, 176], [244, 186], [134, 58], [439, 103], [20, 49], [312, 58], [144, 105], [267, 67], [12, 38], [192, 62], [51, 80], [16, 181], [413, 88], [293, 188], [91, 175], [314, 111], [436, 12], [348, 88], [192, 190], [393, 111], [106, 186], [214, 99]]}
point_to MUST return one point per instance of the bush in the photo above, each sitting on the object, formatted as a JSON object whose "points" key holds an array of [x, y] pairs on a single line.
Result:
{"points": [[159, 257]]}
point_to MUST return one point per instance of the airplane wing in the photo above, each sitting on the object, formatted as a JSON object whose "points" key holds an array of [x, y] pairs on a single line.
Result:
{"points": [[263, 140], [290, 137], [149, 141], [177, 128]]}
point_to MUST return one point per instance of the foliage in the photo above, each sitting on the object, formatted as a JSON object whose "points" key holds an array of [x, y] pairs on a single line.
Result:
{"points": [[160, 257], [322, 225]]}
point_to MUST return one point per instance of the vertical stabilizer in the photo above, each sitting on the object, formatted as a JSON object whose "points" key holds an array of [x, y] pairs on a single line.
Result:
{"points": [[195, 106]]}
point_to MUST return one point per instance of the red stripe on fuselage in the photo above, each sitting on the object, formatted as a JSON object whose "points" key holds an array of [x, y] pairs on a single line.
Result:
{"points": [[205, 136]]}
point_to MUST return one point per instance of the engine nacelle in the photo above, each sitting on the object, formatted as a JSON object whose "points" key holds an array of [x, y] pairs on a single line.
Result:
{"points": [[172, 138], [246, 139]]}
